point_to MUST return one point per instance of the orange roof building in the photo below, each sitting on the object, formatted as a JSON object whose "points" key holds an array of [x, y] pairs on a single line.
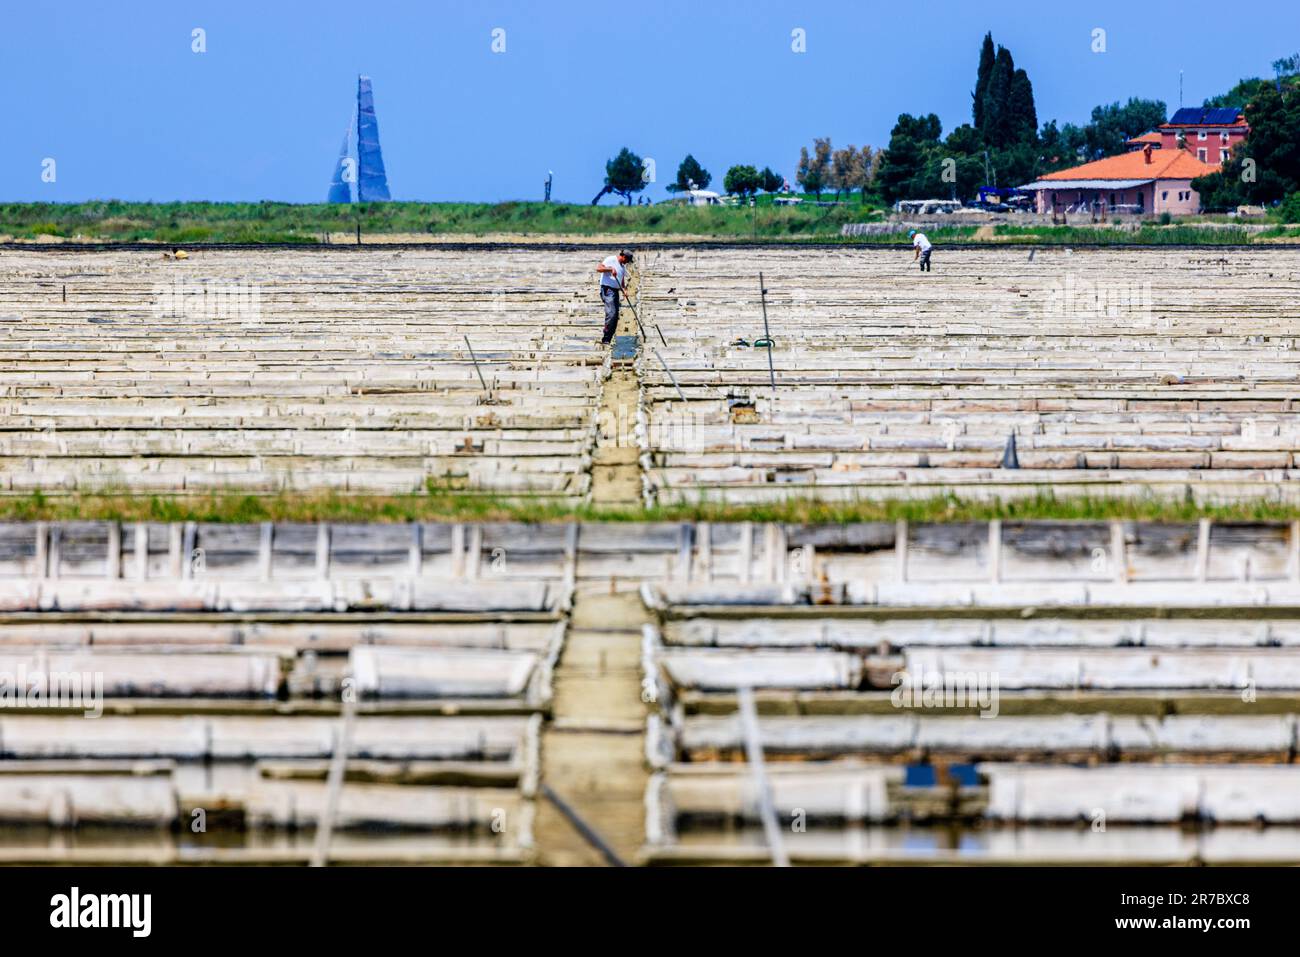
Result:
{"points": [[1137, 142], [1148, 181], [1208, 133]]}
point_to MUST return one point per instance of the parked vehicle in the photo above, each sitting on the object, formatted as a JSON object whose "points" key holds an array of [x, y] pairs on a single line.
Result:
{"points": [[994, 198]]}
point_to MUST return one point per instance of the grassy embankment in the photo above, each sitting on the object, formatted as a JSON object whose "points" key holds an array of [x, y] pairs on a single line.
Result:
{"points": [[446, 506], [287, 223], [193, 223]]}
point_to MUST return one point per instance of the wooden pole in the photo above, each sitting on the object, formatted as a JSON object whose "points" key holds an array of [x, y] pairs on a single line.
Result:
{"points": [[474, 359], [754, 755], [334, 781], [767, 334]]}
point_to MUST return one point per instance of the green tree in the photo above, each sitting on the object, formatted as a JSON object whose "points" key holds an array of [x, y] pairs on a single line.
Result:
{"points": [[814, 172], [1241, 94], [690, 171], [1287, 66], [849, 169], [1266, 166], [1021, 116], [770, 182], [982, 81], [998, 122], [966, 151], [742, 181], [1289, 211], [1114, 124], [1286, 75], [624, 175], [912, 158], [806, 175]]}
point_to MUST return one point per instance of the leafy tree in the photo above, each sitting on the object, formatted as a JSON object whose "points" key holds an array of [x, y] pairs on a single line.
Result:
{"points": [[1264, 168], [822, 151], [1061, 148], [1287, 66], [997, 126], [742, 181], [690, 171], [1004, 145], [1247, 89], [982, 81], [964, 147], [623, 175], [806, 175], [964, 139], [849, 169], [770, 182], [871, 162], [1113, 124], [1003, 101], [913, 148], [1289, 212], [1241, 94], [1021, 118], [814, 171]]}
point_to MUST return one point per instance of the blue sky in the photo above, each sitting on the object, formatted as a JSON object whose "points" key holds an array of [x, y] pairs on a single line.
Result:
{"points": [[115, 95]]}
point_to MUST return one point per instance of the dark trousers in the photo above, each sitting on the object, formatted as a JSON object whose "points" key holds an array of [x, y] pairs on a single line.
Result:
{"points": [[925, 260], [609, 295]]}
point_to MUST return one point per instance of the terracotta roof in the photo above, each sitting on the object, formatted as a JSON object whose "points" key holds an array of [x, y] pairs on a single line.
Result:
{"points": [[1165, 164], [1153, 137]]}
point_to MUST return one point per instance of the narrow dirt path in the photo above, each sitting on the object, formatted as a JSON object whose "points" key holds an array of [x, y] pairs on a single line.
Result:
{"points": [[593, 749], [615, 462]]}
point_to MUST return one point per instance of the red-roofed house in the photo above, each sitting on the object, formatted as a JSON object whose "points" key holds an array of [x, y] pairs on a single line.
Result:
{"points": [[1146, 182], [1138, 142], [1210, 134]]}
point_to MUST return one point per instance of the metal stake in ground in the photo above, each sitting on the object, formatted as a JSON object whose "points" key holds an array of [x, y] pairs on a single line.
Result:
{"points": [[754, 755], [474, 359], [334, 781], [638, 318], [681, 395], [767, 334]]}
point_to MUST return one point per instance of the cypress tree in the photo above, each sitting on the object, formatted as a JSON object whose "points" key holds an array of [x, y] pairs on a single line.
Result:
{"points": [[982, 81], [997, 121], [1022, 118]]}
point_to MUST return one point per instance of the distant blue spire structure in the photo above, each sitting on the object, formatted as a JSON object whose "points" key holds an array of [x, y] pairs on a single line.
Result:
{"points": [[372, 182], [341, 188]]}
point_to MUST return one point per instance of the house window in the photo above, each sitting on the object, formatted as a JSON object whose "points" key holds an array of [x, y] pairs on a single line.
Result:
{"points": [[1201, 135], [1164, 196], [1112, 199], [1202, 154], [1224, 136]]}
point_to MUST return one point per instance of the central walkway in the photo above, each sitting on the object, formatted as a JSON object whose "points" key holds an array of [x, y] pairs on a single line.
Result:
{"points": [[593, 749]]}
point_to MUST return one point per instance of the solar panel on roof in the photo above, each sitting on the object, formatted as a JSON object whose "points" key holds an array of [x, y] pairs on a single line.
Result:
{"points": [[1227, 114], [1217, 116]]}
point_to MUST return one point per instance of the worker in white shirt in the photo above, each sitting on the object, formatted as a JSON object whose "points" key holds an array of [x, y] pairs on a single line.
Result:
{"points": [[921, 243], [613, 280]]}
